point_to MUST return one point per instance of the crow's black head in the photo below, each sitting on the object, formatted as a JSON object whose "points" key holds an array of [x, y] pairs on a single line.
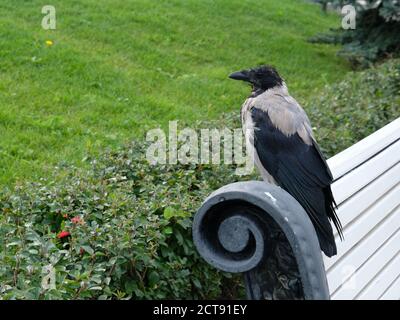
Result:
{"points": [[262, 77]]}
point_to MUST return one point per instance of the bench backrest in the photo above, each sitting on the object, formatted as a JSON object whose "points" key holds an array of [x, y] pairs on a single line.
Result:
{"points": [[367, 190]]}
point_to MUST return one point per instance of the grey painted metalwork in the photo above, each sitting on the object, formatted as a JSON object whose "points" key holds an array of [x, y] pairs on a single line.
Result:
{"points": [[260, 230]]}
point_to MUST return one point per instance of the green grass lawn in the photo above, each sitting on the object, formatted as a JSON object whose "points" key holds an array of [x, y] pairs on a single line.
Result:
{"points": [[118, 68]]}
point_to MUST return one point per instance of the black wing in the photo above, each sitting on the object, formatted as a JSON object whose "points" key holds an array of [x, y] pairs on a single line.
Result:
{"points": [[302, 171]]}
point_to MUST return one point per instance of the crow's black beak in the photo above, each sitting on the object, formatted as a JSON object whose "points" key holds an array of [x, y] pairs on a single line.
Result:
{"points": [[240, 75]]}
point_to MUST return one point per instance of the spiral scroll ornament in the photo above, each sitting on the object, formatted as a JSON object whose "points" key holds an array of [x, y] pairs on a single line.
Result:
{"points": [[261, 231]]}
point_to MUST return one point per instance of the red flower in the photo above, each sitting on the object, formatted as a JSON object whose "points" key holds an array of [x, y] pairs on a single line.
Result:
{"points": [[77, 220], [63, 234]]}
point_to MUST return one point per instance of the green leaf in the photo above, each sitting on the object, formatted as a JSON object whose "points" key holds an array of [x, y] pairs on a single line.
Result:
{"points": [[197, 283], [153, 278], [169, 213], [168, 230], [88, 249], [96, 288]]}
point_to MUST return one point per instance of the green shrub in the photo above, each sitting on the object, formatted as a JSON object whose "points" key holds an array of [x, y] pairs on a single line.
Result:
{"points": [[377, 33], [352, 109], [130, 222], [130, 226]]}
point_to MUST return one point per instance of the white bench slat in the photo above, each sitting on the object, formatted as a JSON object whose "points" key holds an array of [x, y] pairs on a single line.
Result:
{"points": [[393, 292], [383, 281], [353, 283], [357, 154], [356, 257], [367, 190], [385, 203], [359, 228], [353, 207], [352, 182]]}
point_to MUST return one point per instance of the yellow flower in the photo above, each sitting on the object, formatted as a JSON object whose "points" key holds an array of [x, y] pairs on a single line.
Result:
{"points": [[49, 43]]}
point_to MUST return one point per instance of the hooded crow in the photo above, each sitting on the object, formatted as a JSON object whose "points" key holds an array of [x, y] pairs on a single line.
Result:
{"points": [[279, 135]]}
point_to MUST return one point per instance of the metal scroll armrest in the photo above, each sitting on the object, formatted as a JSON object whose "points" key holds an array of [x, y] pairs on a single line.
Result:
{"points": [[260, 230]]}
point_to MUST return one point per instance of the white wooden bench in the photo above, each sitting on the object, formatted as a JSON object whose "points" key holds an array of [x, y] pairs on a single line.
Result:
{"points": [[261, 231], [367, 190]]}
